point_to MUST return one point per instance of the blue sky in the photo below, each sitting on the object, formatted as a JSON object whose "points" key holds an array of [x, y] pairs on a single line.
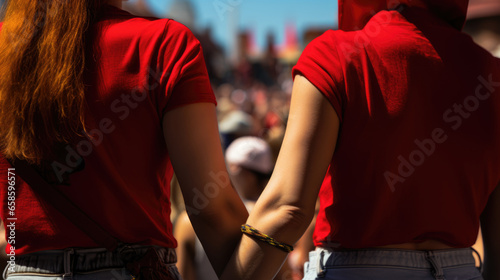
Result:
{"points": [[260, 15]]}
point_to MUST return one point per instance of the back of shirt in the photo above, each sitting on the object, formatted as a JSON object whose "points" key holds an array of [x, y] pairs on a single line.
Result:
{"points": [[417, 154], [137, 70]]}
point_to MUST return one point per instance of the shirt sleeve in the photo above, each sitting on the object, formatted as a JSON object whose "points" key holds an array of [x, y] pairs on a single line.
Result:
{"points": [[184, 79], [320, 65]]}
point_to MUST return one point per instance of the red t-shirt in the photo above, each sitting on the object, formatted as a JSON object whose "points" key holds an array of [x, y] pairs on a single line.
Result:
{"points": [[142, 68], [418, 149]]}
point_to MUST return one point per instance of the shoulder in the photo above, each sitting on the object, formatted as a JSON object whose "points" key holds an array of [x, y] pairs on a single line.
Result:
{"points": [[176, 28], [168, 32], [147, 35], [334, 46], [123, 24], [180, 33], [322, 64], [328, 40], [169, 28], [324, 50]]}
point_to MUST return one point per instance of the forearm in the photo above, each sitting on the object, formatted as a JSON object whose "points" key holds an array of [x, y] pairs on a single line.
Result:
{"points": [[300, 254], [306, 241], [286, 207], [213, 206], [221, 230], [255, 259], [282, 217]]}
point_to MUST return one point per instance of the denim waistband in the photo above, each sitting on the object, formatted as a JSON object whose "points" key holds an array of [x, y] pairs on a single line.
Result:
{"points": [[438, 262], [79, 261], [393, 257]]}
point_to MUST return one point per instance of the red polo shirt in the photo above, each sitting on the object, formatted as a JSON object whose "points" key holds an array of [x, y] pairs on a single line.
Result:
{"points": [[140, 68], [418, 150]]}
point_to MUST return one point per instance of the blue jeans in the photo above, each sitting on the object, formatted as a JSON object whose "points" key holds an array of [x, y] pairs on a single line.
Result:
{"points": [[78, 264], [388, 264]]}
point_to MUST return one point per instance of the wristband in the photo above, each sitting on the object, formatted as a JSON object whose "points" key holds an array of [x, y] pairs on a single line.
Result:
{"points": [[253, 232]]}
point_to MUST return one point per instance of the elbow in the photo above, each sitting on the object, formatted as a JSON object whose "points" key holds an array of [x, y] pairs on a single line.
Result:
{"points": [[286, 223], [295, 216], [299, 212], [296, 221]]}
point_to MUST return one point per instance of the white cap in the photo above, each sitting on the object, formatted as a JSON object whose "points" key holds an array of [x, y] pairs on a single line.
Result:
{"points": [[252, 153], [236, 122]]}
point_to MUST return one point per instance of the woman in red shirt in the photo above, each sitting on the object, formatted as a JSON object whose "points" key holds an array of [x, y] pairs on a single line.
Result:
{"points": [[401, 111], [105, 105]]}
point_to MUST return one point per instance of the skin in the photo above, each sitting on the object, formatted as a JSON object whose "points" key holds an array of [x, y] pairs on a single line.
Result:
{"points": [[192, 138], [290, 211], [300, 254], [186, 252], [185, 235], [490, 227], [247, 186], [286, 207]]}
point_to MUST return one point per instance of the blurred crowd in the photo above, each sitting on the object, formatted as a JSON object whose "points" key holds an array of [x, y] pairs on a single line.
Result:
{"points": [[253, 94]]}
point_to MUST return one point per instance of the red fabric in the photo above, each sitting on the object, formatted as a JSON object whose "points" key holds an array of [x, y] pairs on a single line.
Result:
{"points": [[354, 14], [143, 68], [417, 154]]}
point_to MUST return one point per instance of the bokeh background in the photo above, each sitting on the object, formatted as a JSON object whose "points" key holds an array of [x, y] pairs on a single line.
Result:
{"points": [[250, 47]]}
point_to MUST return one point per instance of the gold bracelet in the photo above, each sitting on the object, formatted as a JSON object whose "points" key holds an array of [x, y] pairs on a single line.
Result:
{"points": [[253, 232]]}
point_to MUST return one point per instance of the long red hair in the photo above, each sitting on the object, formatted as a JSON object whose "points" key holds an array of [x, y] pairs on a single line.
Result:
{"points": [[42, 62]]}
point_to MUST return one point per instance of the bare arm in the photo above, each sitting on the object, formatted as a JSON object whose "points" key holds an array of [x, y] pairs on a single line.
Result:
{"points": [[215, 210], [286, 207], [186, 238], [490, 226], [300, 254]]}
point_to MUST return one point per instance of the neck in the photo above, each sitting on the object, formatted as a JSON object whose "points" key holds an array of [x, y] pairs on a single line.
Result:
{"points": [[116, 3]]}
